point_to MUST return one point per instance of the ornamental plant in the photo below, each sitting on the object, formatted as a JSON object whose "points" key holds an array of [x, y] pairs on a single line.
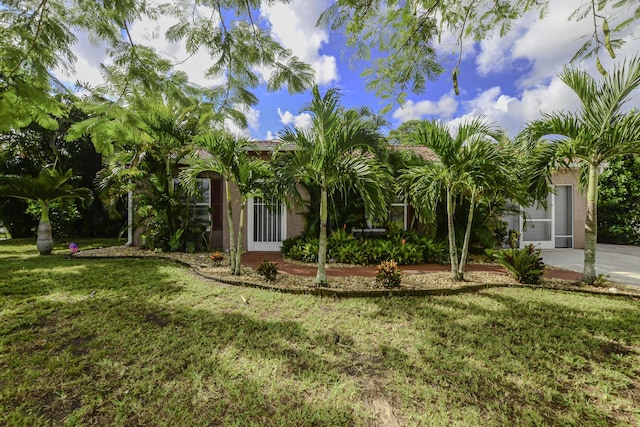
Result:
{"points": [[389, 274], [269, 270]]}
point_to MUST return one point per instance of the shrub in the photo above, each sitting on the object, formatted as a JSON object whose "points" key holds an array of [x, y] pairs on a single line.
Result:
{"points": [[405, 248], [269, 270], [524, 264], [389, 275], [217, 257]]}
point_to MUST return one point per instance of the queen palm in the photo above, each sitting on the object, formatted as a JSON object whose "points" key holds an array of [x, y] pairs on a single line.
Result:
{"points": [[229, 157], [597, 133], [50, 186], [471, 164], [336, 154]]}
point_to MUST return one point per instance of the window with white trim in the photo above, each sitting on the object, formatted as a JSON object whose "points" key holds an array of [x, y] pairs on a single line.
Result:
{"points": [[398, 213], [200, 204]]}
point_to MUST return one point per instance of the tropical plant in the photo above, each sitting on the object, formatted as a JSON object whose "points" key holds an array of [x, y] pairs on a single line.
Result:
{"points": [[601, 131], [524, 264], [388, 274], [472, 164], [50, 186], [337, 154], [269, 270], [228, 156], [619, 202], [38, 36]]}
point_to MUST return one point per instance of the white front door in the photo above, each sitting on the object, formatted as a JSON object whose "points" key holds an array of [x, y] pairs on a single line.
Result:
{"points": [[539, 227], [266, 224]]}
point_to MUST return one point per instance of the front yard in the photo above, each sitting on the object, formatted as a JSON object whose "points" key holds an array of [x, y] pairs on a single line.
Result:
{"points": [[146, 342]]}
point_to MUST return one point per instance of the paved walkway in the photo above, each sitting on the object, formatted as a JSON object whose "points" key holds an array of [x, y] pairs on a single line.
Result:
{"points": [[619, 263], [254, 259]]}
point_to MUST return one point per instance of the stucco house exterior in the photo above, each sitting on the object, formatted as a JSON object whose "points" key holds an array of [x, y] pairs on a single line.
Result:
{"points": [[561, 225], [266, 226]]}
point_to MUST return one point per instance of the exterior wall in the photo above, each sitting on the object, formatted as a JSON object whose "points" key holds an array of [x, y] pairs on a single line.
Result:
{"points": [[570, 177]]}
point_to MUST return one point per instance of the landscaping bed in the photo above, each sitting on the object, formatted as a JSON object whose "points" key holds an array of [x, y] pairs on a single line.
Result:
{"points": [[347, 285]]}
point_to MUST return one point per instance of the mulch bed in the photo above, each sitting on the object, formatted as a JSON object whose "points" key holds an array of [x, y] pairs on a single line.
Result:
{"points": [[358, 281]]}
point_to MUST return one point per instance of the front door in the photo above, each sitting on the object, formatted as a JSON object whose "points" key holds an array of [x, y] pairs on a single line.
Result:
{"points": [[266, 225]]}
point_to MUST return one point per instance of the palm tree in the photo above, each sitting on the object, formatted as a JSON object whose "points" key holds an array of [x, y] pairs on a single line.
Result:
{"points": [[230, 159], [336, 154], [599, 132], [51, 185], [471, 164]]}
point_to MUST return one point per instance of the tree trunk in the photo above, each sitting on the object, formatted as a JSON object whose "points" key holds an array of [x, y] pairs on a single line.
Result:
{"points": [[321, 276], [591, 226], [232, 241], [467, 237], [44, 241], [239, 246], [453, 251]]}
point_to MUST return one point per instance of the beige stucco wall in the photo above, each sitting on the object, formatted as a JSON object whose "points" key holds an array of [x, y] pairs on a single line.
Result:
{"points": [[570, 177]]}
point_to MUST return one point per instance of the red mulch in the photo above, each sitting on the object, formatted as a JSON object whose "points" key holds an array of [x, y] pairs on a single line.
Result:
{"points": [[254, 259]]}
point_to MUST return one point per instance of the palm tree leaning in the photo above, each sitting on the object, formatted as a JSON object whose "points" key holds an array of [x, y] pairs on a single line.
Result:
{"points": [[594, 135], [51, 185], [228, 156], [335, 154], [471, 164]]}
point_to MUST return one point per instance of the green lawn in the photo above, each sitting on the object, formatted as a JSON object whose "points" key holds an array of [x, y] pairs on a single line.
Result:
{"points": [[145, 342]]}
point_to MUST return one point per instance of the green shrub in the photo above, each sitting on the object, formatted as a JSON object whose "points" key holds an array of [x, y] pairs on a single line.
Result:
{"points": [[389, 275], [524, 264], [406, 248], [269, 270]]}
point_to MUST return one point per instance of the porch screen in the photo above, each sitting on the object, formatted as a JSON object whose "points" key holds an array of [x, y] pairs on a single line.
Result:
{"points": [[267, 221], [564, 217]]}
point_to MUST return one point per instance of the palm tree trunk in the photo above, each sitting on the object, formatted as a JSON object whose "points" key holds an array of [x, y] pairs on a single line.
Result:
{"points": [[453, 251], [591, 226], [467, 237], [321, 276], [232, 242], [44, 241], [239, 246]]}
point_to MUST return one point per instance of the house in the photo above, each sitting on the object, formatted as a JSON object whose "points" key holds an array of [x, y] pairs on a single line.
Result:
{"points": [[561, 225], [267, 225]]}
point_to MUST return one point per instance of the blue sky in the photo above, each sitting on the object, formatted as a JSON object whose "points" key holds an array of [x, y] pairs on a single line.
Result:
{"points": [[510, 80]]}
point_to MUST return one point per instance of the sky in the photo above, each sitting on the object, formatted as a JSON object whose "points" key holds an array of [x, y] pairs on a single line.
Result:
{"points": [[510, 80]]}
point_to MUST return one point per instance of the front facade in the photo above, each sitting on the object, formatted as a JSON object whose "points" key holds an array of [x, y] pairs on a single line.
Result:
{"points": [[266, 225], [561, 225]]}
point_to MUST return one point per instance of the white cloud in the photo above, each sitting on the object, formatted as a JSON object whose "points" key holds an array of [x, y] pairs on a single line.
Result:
{"points": [[512, 113], [294, 24], [302, 121], [445, 107]]}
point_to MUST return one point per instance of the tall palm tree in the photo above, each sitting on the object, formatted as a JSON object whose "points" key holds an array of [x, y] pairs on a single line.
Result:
{"points": [[594, 135], [51, 185], [337, 153], [230, 159], [470, 164]]}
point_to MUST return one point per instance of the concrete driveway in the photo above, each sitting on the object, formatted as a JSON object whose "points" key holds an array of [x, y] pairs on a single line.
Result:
{"points": [[619, 263]]}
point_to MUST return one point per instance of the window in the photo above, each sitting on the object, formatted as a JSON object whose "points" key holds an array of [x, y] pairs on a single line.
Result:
{"points": [[199, 205], [398, 213]]}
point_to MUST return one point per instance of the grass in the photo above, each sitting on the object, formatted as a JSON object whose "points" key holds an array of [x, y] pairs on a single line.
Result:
{"points": [[145, 342]]}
